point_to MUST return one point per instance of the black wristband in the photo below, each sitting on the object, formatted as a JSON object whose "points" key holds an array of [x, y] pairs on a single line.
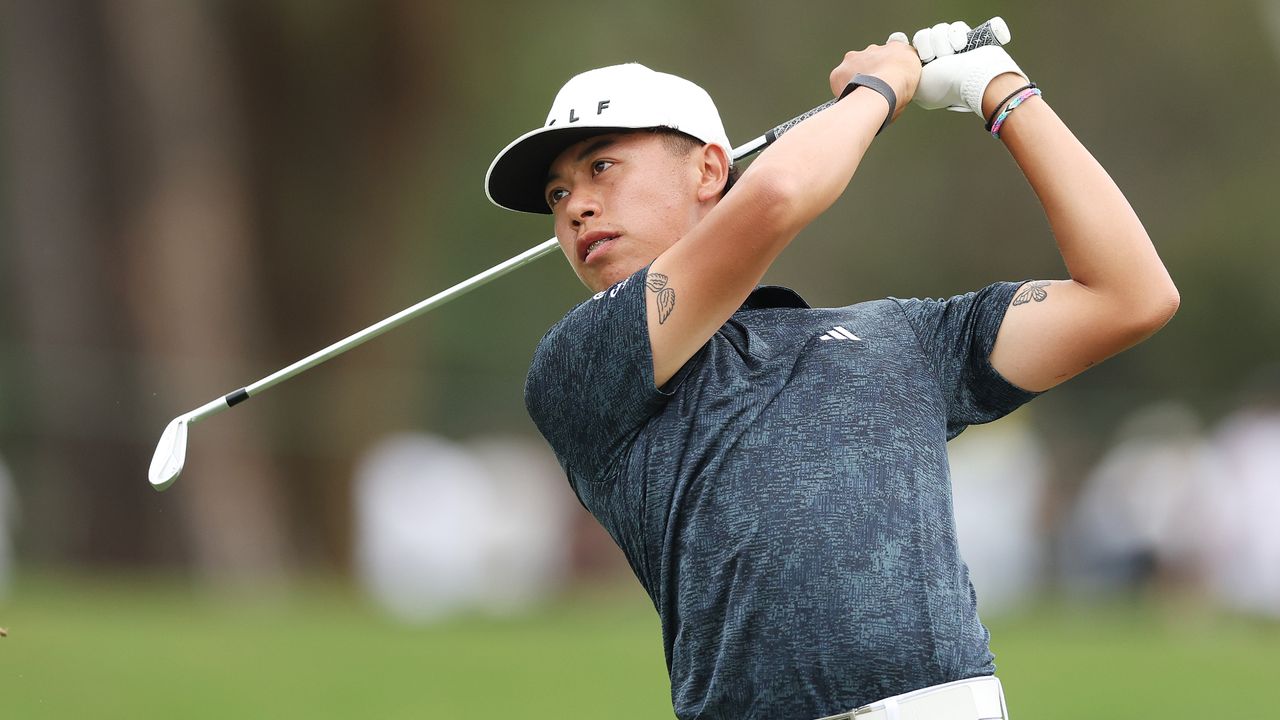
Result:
{"points": [[874, 83], [991, 120]]}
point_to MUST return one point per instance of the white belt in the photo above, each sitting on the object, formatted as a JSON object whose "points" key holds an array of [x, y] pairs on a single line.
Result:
{"points": [[979, 698]]}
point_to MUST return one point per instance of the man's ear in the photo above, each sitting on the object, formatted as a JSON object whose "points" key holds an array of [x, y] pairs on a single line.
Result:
{"points": [[714, 172]]}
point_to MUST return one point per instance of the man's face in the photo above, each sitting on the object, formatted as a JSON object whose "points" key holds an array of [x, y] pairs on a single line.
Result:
{"points": [[619, 201]]}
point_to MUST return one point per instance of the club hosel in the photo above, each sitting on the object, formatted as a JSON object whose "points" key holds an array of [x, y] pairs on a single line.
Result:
{"points": [[214, 407]]}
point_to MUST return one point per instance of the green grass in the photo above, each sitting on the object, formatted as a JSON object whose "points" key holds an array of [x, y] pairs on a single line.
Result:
{"points": [[136, 649], [1138, 661]]}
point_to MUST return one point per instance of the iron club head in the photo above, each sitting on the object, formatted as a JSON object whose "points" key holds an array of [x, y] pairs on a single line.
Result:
{"points": [[170, 455]]}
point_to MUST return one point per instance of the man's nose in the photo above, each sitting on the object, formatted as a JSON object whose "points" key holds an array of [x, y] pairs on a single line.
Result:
{"points": [[583, 204]]}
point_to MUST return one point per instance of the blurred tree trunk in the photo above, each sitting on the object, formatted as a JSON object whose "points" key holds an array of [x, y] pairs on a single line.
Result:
{"points": [[397, 124], [340, 106], [192, 276], [76, 392], [202, 192]]}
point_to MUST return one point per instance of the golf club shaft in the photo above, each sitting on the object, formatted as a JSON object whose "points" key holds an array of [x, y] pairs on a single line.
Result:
{"points": [[374, 330], [545, 248], [988, 33]]}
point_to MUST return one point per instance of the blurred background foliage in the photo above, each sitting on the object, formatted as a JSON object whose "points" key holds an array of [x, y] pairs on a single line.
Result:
{"points": [[195, 194]]}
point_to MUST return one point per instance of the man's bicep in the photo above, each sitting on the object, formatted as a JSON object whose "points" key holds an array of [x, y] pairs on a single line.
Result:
{"points": [[684, 310], [1054, 330], [697, 284]]}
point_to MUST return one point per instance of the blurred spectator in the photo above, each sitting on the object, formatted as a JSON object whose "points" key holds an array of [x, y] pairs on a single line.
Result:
{"points": [[422, 511], [441, 528], [530, 537], [999, 479], [1136, 515], [1242, 557]]}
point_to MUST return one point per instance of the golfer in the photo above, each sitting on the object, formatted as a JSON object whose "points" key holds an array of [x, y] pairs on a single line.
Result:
{"points": [[777, 474]]}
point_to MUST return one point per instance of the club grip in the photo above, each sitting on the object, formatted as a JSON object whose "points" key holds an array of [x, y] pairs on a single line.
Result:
{"points": [[777, 132], [992, 32]]}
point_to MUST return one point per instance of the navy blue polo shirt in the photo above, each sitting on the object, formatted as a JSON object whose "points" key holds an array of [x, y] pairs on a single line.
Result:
{"points": [[785, 498]]}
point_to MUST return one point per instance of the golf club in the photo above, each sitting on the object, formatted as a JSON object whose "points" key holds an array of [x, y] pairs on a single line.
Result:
{"points": [[171, 452]]}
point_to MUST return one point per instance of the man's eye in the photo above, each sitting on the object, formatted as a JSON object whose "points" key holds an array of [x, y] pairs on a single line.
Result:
{"points": [[556, 196], [600, 166]]}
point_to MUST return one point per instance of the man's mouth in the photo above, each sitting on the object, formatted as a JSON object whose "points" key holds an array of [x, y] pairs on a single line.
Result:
{"points": [[594, 241], [591, 248]]}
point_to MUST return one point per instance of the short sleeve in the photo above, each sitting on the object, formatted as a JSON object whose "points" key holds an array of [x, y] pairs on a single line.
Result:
{"points": [[957, 336], [590, 386]]}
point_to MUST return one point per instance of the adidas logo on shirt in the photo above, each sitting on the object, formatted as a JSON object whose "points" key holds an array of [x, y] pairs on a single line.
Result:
{"points": [[838, 333]]}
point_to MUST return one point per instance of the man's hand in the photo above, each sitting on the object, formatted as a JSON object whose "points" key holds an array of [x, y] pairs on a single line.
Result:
{"points": [[895, 62], [954, 80]]}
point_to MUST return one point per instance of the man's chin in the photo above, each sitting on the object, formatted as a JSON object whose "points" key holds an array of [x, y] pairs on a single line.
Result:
{"points": [[589, 279], [606, 276], [607, 280], [596, 279]]}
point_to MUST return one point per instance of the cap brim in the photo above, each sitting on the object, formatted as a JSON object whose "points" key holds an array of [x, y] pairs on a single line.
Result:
{"points": [[518, 175]]}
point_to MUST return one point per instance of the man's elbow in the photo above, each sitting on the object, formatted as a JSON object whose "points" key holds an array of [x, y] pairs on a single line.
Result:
{"points": [[1157, 308], [782, 205], [1165, 302], [1171, 300]]}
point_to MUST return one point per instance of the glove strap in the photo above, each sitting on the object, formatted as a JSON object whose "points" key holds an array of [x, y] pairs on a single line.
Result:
{"points": [[874, 83]]}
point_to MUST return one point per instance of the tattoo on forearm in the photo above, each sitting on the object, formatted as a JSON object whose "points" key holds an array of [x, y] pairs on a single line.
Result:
{"points": [[1032, 291], [666, 295]]}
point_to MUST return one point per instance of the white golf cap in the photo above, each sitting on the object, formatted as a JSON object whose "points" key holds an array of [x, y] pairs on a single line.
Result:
{"points": [[619, 97]]}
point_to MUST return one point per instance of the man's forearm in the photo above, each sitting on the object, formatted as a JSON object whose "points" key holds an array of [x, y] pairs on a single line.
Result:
{"points": [[816, 160], [1102, 241]]}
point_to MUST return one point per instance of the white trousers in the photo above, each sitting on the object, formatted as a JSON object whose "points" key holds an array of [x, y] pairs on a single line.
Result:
{"points": [[979, 698]]}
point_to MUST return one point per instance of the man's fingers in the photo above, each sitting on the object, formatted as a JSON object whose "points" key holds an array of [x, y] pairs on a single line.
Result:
{"points": [[923, 41], [958, 36], [897, 37], [940, 38]]}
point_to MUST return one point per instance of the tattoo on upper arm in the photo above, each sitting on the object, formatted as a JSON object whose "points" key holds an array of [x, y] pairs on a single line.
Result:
{"points": [[1032, 291], [657, 282]]}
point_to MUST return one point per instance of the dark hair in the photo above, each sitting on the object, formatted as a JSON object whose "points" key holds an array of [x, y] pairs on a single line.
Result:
{"points": [[682, 143]]}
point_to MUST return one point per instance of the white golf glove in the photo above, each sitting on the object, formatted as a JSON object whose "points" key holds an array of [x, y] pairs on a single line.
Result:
{"points": [[952, 80]]}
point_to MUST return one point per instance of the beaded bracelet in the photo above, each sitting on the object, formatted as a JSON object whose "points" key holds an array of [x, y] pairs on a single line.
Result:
{"points": [[995, 126], [996, 110]]}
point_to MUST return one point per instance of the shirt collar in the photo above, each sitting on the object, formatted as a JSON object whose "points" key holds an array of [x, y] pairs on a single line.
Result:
{"points": [[773, 296]]}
